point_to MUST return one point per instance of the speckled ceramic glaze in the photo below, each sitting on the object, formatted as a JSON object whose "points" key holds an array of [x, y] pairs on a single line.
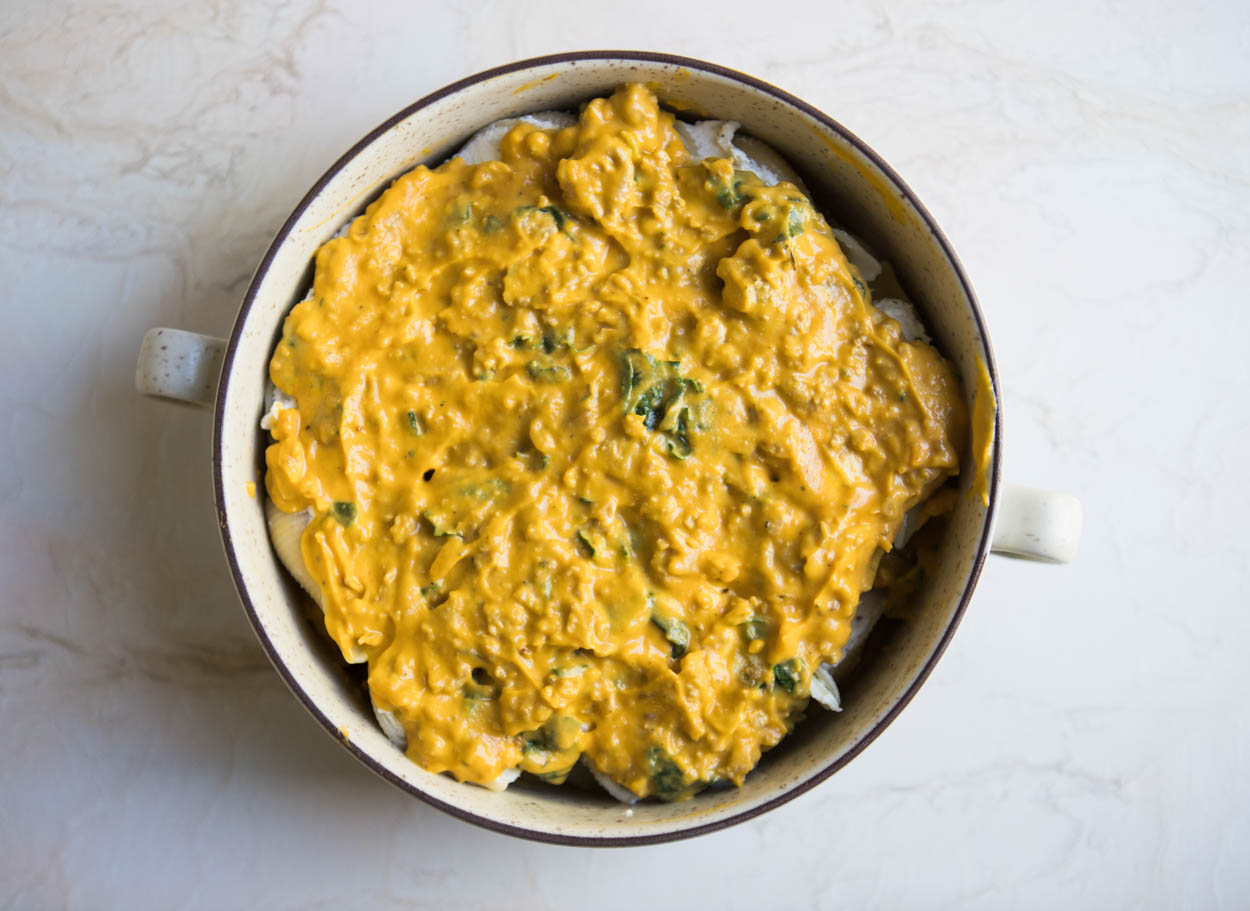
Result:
{"points": [[850, 183]]}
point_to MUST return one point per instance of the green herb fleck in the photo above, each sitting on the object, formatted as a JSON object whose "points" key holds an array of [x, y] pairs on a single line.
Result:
{"points": [[486, 490], [413, 423], [344, 512]]}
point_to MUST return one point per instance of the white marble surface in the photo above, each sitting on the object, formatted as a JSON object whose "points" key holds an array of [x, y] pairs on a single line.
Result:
{"points": [[1083, 744]]}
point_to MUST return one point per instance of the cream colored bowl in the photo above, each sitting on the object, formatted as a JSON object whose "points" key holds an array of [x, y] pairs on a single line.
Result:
{"points": [[851, 184]]}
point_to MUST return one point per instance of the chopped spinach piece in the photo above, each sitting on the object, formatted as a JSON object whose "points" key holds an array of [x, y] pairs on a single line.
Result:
{"points": [[344, 512], [651, 407], [560, 217], [592, 541], [558, 733], [565, 673], [637, 365], [666, 775], [679, 437], [584, 540], [796, 221], [755, 628], [788, 674], [531, 457], [456, 514], [656, 391], [538, 741], [548, 373], [675, 631], [549, 341], [729, 194], [441, 528], [413, 423]]}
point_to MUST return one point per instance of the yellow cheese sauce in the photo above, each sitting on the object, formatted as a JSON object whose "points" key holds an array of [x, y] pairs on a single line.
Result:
{"points": [[984, 419], [603, 445]]}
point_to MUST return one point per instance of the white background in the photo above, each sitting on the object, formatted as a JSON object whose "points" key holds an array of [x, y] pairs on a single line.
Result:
{"points": [[1083, 744]]}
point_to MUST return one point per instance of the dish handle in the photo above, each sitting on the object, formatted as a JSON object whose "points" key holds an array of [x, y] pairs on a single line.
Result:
{"points": [[1037, 524], [180, 366]]}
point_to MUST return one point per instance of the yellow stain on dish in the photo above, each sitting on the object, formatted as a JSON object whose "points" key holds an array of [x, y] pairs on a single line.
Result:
{"points": [[888, 194], [673, 102], [250, 487], [534, 84], [603, 444], [984, 420], [337, 215]]}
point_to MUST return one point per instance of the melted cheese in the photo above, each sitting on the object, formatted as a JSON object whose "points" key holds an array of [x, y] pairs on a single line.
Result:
{"points": [[603, 444]]}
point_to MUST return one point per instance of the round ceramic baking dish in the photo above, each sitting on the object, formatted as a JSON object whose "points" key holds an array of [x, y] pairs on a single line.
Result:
{"points": [[855, 187]]}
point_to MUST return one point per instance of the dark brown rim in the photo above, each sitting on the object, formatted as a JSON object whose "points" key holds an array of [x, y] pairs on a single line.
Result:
{"points": [[223, 389]]}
